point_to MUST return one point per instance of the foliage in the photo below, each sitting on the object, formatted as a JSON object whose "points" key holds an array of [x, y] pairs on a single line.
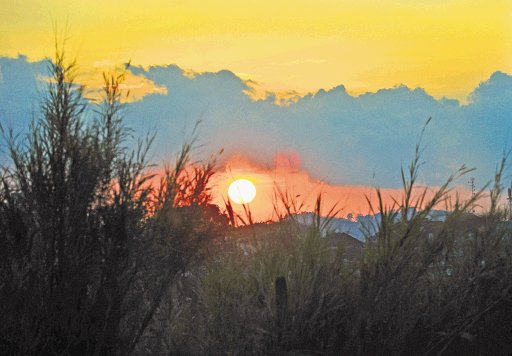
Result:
{"points": [[88, 253]]}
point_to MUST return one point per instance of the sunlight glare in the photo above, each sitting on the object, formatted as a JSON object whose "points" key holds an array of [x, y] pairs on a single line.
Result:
{"points": [[242, 191]]}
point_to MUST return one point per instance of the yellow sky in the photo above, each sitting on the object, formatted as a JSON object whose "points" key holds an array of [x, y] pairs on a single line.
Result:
{"points": [[445, 46]]}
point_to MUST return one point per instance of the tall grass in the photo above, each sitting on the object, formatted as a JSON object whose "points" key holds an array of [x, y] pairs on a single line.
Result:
{"points": [[419, 288], [237, 301], [88, 247]]}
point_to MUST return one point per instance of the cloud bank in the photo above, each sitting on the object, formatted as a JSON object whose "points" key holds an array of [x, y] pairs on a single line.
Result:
{"points": [[337, 137]]}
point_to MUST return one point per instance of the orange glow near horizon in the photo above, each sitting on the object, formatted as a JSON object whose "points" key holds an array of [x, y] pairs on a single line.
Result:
{"points": [[304, 189], [286, 176]]}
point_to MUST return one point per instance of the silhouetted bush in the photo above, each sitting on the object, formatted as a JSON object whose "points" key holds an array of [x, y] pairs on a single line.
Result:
{"points": [[88, 248]]}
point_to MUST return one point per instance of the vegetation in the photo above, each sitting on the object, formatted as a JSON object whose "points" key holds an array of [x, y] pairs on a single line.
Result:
{"points": [[88, 247], [97, 259]]}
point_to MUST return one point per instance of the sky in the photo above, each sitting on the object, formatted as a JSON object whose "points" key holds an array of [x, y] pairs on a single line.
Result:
{"points": [[445, 46], [330, 94]]}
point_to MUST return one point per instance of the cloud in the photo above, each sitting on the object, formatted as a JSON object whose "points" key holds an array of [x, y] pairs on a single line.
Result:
{"points": [[20, 90], [340, 138], [287, 161]]}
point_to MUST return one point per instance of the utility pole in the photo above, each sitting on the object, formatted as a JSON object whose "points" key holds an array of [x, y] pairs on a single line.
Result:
{"points": [[509, 198], [473, 193]]}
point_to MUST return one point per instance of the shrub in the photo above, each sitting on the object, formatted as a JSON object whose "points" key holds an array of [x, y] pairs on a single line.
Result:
{"points": [[88, 249]]}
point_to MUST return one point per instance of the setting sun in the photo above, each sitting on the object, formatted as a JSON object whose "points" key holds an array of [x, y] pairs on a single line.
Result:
{"points": [[242, 191]]}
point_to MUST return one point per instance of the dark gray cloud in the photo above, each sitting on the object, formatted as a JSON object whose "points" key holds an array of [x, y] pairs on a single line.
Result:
{"points": [[340, 138]]}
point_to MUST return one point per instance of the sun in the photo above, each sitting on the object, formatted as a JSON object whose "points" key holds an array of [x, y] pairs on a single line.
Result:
{"points": [[242, 191]]}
